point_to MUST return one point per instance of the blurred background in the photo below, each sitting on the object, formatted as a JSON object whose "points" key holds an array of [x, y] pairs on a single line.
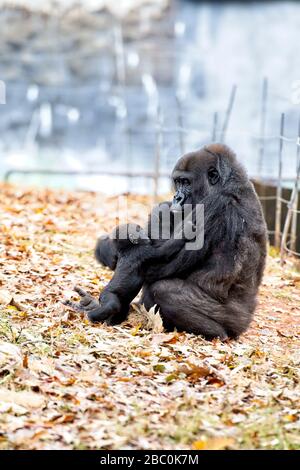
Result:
{"points": [[105, 95]]}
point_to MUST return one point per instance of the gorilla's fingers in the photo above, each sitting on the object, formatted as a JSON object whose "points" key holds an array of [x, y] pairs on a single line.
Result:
{"points": [[80, 291], [86, 301], [90, 304], [73, 306], [94, 311]]}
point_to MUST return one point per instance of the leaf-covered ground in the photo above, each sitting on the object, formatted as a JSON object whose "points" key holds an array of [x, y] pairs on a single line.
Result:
{"points": [[65, 384]]}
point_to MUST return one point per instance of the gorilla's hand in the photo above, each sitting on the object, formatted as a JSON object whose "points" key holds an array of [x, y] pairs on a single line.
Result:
{"points": [[86, 304], [110, 312]]}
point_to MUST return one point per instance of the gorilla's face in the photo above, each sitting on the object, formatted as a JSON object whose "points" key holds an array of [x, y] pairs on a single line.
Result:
{"points": [[195, 175], [183, 190]]}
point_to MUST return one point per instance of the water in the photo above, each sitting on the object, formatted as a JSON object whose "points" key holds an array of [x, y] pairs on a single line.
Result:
{"points": [[67, 106]]}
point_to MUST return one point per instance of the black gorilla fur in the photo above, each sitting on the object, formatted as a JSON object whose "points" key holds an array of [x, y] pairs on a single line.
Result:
{"points": [[211, 291]]}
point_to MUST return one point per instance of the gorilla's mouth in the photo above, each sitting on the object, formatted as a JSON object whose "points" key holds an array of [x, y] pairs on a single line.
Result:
{"points": [[178, 201], [178, 204]]}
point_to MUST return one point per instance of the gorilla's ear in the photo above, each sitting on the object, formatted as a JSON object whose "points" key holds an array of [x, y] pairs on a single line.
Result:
{"points": [[213, 175]]}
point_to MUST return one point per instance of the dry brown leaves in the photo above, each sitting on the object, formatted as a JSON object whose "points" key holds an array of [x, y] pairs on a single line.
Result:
{"points": [[65, 384]]}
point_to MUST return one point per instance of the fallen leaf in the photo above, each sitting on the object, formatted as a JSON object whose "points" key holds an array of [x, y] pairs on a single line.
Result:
{"points": [[9, 353], [5, 297], [216, 443], [194, 372], [22, 398], [285, 334]]}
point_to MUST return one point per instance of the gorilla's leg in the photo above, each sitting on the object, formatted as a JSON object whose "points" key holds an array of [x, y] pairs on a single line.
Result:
{"points": [[187, 308], [147, 299], [106, 252]]}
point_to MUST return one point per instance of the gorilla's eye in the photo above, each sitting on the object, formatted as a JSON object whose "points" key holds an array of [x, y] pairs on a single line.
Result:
{"points": [[213, 175], [182, 182]]}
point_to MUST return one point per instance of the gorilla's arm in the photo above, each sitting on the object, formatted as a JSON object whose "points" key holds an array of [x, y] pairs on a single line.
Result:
{"points": [[223, 226], [128, 279], [106, 251]]}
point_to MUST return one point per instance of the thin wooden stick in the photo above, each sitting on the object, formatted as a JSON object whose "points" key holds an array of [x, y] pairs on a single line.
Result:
{"points": [[157, 152], [263, 114], [180, 125], [119, 54], [228, 113], [291, 210], [295, 205], [215, 127], [279, 186]]}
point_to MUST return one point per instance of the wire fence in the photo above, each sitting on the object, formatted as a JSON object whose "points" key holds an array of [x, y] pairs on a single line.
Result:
{"points": [[284, 228], [284, 236]]}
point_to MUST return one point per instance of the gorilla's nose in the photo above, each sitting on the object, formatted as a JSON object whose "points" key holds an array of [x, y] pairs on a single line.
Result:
{"points": [[178, 201]]}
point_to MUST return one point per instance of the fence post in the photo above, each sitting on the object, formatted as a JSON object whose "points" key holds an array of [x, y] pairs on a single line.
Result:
{"points": [[228, 113], [158, 147], [180, 125], [215, 127], [263, 114], [291, 207], [279, 186], [295, 205]]}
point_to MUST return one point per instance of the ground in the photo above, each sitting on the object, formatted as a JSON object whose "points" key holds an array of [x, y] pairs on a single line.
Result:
{"points": [[66, 384]]}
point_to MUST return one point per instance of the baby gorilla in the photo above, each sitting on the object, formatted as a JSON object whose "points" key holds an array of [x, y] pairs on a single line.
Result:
{"points": [[135, 249]]}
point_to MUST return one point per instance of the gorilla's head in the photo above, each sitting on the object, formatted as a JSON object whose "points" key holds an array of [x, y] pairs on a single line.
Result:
{"points": [[210, 170]]}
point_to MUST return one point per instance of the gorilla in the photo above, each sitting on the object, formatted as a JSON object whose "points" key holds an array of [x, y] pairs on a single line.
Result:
{"points": [[210, 291]]}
